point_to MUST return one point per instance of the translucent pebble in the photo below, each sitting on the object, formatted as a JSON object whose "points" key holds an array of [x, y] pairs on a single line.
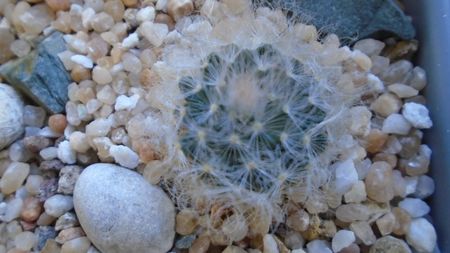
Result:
{"points": [[418, 78], [146, 14], [317, 246], [99, 127], [379, 64], [36, 19], [33, 184], [34, 116], [101, 75], [115, 8], [58, 5], [13, 177], [386, 104], [130, 3], [19, 153], [20, 48], [386, 223], [82, 60], [359, 120], [131, 63], [161, 5], [78, 141], [124, 156], [58, 204], [352, 212], [65, 153], [397, 72], [379, 182], [77, 245], [369, 46], [93, 105], [154, 33], [13, 208], [425, 187], [403, 90], [102, 22], [417, 115], [362, 60], [415, 207], [49, 153], [396, 124], [126, 103], [163, 18], [131, 41], [49, 133], [345, 176], [421, 235], [363, 232], [356, 194], [25, 240], [342, 239], [97, 5]]}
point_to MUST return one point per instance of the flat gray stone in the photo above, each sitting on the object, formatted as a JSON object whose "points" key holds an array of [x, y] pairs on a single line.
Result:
{"points": [[121, 212], [41, 75], [351, 19]]}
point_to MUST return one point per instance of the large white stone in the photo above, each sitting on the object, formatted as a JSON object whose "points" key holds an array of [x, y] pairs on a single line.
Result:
{"points": [[11, 115], [121, 212], [421, 235]]}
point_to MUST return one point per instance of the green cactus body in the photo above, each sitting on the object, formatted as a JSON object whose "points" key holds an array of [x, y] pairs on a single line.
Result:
{"points": [[248, 121]]}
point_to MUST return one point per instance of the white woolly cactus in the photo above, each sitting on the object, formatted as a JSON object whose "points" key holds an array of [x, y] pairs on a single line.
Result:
{"points": [[258, 113]]}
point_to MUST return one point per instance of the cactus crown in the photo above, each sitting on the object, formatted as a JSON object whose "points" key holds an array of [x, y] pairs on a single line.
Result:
{"points": [[248, 120]]}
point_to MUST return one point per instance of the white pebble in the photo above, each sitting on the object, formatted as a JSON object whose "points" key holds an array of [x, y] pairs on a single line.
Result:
{"points": [[161, 5], [124, 156], [318, 246], [78, 141], [410, 184], [13, 177], [421, 235], [146, 14], [82, 60], [48, 132], [25, 240], [375, 83], [65, 153], [58, 205], [425, 187], [346, 176], [131, 41], [12, 210], [98, 128], [342, 239], [33, 184], [86, 17], [417, 115], [49, 153], [403, 90], [396, 124], [154, 33], [270, 245], [414, 207], [126, 103]]}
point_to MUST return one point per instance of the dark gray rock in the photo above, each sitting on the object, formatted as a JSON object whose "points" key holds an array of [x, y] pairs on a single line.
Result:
{"points": [[41, 75], [185, 242], [350, 19]]}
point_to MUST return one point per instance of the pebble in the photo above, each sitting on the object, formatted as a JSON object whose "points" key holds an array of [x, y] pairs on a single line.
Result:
{"points": [[379, 182], [357, 193], [58, 5], [141, 218], [403, 90], [396, 124], [345, 176], [25, 240], [233, 249], [57, 122], [58, 204], [369, 46], [78, 245], [200, 245], [146, 14], [363, 232], [65, 153], [386, 104], [18, 152], [54, 164], [185, 242], [33, 184], [79, 142], [179, 8], [186, 221], [352, 212], [342, 239], [389, 244], [131, 41], [421, 235], [31, 209], [270, 244], [13, 208], [153, 32], [318, 246], [126, 103], [82, 60], [299, 221], [124, 156], [101, 75], [44, 234], [13, 177], [402, 221], [36, 143], [45, 220], [417, 115], [425, 187], [386, 223], [49, 153], [397, 71], [69, 234], [11, 119], [418, 79], [98, 128], [68, 176], [33, 116], [65, 221], [359, 122], [20, 48], [294, 240], [415, 207]]}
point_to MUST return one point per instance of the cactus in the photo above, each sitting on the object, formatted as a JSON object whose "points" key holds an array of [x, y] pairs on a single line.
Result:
{"points": [[248, 121]]}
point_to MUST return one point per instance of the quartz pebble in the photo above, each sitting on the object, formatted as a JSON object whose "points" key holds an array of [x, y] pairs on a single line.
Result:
{"points": [[364, 232], [386, 104], [386, 223], [141, 217], [78, 245], [403, 90], [36, 143], [25, 240], [101, 75], [126, 103], [379, 182], [79, 142], [415, 207], [417, 115], [49, 153], [352, 212], [33, 116], [234, 249], [342, 239], [359, 122], [33, 184], [58, 204], [13, 209], [396, 124], [389, 244], [369, 46], [299, 221], [69, 234], [124, 156], [418, 78], [65, 153], [345, 176], [201, 244], [319, 246], [13, 177], [270, 245], [424, 188], [186, 221], [65, 221], [82, 60], [11, 119], [31, 209], [357, 193], [154, 33], [421, 235]]}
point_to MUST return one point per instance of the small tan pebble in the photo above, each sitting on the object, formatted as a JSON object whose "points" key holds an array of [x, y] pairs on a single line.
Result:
{"points": [[102, 22], [13, 177], [386, 224], [375, 141], [403, 90], [401, 50], [130, 3], [57, 122], [386, 104], [270, 244], [186, 221], [51, 247], [33, 184], [101, 75], [79, 142], [299, 221], [58, 5], [25, 240], [396, 72], [363, 61], [389, 158], [379, 182], [115, 8], [359, 120], [364, 232], [389, 244], [36, 143], [45, 219], [402, 221], [79, 74], [163, 18], [200, 245], [148, 78], [78, 245], [352, 212], [233, 249], [31, 209], [69, 234]]}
